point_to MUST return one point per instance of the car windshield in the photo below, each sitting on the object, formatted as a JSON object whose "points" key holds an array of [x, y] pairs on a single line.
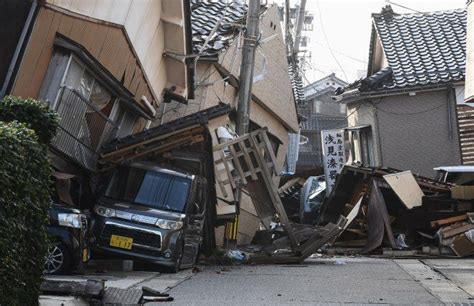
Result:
{"points": [[149, 188]]}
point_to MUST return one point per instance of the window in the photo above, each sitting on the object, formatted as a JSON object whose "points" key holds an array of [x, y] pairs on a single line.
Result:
{"points": [[150, 188], [317, 106], [90, 112], [342, 108], [361, 145]]}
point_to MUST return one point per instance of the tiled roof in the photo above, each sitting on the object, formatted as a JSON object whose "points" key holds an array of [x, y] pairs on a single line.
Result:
{"points": [[296, 84], [206, 14], [421, 49]]}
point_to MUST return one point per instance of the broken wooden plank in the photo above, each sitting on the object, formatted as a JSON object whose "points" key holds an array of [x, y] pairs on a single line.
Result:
{"points": [[270, 152], [290, 183], [328, 232], [456, 231], [446, 221], [238, 165], [191, 130], [227, 169], [248, 159]]}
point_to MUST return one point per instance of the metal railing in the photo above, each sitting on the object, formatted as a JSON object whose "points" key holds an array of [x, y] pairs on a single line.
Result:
{"points": [[82, 128]]}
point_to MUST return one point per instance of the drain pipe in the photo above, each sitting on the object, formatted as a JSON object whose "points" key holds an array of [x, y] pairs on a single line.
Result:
{"points": [[19, 46]]}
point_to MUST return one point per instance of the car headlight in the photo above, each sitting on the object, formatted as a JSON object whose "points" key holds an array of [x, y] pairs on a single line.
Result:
{"points": [[168, 224], [70, 220], [104, 211]]}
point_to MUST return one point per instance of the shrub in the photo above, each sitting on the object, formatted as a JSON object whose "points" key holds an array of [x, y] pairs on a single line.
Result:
{"points": [[24, 202], [35, 114]]}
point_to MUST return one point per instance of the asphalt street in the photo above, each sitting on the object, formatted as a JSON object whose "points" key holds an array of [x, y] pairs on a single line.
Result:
{"points": [[340, 280]]}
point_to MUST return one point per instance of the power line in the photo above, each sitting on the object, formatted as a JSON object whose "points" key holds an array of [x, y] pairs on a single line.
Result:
{"points": [[341, 53], [327, 40], [408, 113], [405, 7]]}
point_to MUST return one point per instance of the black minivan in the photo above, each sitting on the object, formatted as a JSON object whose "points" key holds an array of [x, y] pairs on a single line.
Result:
{"points": [[69, 240], [152, 212]]}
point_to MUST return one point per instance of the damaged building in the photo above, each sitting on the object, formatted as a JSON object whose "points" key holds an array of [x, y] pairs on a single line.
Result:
{"points": [[409, 112], [217, 63], [103, 68]]}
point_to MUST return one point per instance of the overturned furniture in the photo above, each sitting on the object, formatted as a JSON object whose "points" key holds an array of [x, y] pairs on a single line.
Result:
{"points": [[250, 163]]}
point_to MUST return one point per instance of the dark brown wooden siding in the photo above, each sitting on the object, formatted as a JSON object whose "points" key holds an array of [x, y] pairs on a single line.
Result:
{"points": [[466, 133], [106, 42]]}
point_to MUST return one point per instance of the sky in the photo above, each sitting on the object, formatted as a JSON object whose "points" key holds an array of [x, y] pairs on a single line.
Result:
{"points": [[345, 27]]}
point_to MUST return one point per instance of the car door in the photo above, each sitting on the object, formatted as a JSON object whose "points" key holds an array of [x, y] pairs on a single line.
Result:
{"points": [[194, 223]]}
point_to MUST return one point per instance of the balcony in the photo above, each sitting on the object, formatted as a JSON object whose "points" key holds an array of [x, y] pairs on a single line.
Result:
{"points": [[83, 128]]}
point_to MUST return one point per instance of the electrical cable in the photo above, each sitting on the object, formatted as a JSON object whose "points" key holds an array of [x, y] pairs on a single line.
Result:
{"points": [[406, 114], [405, 7], [327, 40], [341, 53]]}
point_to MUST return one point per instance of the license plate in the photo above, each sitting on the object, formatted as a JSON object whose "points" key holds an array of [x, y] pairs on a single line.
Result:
{"points": [[121, 242]]}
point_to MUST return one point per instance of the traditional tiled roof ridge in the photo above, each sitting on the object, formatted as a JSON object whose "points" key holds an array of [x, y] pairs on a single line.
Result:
{"points": [[421, 49]]}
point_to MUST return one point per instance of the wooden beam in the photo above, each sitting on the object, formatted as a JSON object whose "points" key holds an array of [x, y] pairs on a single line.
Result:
{"points": [[454, 219]]}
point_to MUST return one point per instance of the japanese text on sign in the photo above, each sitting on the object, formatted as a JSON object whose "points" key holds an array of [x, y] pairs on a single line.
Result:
{"points": [[333, 155]]}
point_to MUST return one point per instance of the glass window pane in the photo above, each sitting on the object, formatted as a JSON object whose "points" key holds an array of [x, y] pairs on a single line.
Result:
{"points": [[101, 98], [74, 75], [150, 188], [87, 81], [178, 194]]}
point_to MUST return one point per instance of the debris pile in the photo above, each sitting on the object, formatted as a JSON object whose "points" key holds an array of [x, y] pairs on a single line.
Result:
{"points": [[396, 213]]}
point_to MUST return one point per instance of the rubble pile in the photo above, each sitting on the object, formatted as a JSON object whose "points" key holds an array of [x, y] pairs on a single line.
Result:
{"points": [[396, 213]]}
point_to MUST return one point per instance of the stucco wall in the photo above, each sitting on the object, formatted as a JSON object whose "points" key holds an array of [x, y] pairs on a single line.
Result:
{"points": [[362, 113], [415, 133]]}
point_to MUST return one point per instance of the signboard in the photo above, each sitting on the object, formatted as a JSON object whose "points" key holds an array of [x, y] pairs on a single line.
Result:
{"points": [[333, 155]]}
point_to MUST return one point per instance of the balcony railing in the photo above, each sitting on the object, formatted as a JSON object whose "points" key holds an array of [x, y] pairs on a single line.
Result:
{"points": [[82, 128]]}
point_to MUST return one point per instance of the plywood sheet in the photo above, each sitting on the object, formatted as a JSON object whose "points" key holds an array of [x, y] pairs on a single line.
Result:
{"points": [[405, 186]]}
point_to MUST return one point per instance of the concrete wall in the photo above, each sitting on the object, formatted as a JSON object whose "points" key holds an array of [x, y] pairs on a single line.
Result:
{"points": [[413, 131]]}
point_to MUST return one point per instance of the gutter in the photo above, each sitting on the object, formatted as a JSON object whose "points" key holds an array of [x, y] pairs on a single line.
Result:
{"points": [[19, 47]]}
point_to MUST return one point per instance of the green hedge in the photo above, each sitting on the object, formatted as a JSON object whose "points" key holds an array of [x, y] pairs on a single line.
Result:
{"points": [[26, 186], [35, 114]]}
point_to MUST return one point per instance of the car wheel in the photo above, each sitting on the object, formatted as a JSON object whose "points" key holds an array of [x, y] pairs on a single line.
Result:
{"points": [[58, 259]]}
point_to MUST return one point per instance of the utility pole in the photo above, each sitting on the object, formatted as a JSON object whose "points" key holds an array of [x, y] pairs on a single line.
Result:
{"points": [[245, 95], [288, 38], [246, 67], [299, 26]]}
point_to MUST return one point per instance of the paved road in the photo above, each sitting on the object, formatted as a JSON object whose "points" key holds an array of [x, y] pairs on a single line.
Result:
{"points": [[332, 281]]}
